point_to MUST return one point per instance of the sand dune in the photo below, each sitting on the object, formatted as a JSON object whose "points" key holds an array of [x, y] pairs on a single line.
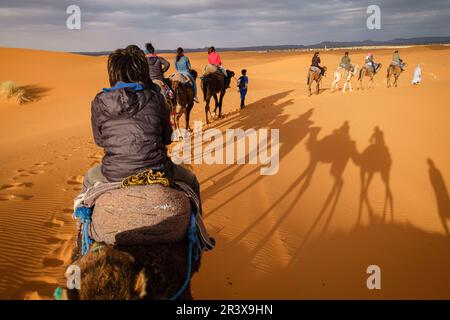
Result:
{"points": [[288, 235]]}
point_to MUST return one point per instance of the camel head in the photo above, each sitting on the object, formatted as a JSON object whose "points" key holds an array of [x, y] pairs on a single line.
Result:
{"points": [[230, 74], [108, 274]]}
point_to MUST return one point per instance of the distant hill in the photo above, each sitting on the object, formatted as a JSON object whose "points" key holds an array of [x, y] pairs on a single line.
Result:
{"points": [[327, 44]]}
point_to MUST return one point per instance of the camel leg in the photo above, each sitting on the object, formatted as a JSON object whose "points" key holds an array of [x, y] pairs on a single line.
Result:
{"points": [[350, 86], [362, 176], [216, 103], [188, 115], [222, 94], [396, 79], [366, 196], [388, 199], [207, 110], [444, 223], [318, 87], [337, 188]]}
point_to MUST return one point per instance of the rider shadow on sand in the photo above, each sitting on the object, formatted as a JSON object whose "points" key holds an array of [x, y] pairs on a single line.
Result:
{"points": [[375, 158], [441, 193]]}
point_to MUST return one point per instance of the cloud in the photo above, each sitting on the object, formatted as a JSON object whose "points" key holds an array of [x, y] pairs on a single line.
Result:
{"points": [[198, 23]]}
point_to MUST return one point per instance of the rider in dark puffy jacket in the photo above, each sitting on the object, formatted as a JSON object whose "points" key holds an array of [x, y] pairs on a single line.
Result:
{"points": [[316, 62], [157, 65], [131, 123]]}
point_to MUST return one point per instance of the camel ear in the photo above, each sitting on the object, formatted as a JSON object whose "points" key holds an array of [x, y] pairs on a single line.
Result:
{"points": [[140, 285]]}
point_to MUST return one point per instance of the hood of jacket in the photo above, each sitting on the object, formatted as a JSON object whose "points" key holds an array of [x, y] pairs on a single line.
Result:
{"points": [[121, 103]]}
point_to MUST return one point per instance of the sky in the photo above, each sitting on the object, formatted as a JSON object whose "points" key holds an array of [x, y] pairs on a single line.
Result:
{"points": [[168, 24]]}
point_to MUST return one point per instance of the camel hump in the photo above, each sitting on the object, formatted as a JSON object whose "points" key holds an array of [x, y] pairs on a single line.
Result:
{"points": [[141, 215]]}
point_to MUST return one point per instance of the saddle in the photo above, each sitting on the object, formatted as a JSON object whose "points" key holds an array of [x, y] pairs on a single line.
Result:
{"points": [[210, 69], [372, 67], [166, 91], [141, 215], [314, 69], [142, 209], [180, 78]]}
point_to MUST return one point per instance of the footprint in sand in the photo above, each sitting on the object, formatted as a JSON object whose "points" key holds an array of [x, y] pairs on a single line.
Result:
{"points": [[53, 240], [42, 164], [16, 185], [75, 180], [36, 172], [49, 262], [14, 197], [96, 155], [67, 210]]}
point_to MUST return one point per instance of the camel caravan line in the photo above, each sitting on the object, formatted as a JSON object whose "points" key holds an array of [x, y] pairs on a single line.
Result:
{"points": [[346, 71], [140, 221]]}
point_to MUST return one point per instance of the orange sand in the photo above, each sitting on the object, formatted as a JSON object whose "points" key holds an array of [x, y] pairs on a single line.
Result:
{"points": [[269, 229]]}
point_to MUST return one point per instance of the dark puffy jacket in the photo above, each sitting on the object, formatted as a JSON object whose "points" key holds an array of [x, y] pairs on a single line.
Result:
{"points": [[315, 61], [134, 128], [157, 67]]}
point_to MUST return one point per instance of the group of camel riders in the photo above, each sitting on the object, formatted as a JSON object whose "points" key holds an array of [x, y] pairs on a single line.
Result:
{"points": [[347, 65], [159, 65]]}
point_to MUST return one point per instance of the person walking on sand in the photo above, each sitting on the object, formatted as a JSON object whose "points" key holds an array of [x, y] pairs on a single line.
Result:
{"points": [[132, 124], [242, 85], [183, 66], [157, 65], [417, 75]]}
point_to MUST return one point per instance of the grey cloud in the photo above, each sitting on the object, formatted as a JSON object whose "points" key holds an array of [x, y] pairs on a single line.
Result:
{"points": [[113, 23]]}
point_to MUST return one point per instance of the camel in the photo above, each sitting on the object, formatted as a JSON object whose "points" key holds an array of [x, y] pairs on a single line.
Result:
{"points": [[212, 84], [149, 272], [184, 96], [367, 71], [396, 71], [347, 75], [144, 247], [375, 158], [315, 75]]}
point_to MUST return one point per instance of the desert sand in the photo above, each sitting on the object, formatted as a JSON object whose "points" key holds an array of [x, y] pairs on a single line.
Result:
{"points": [[278, 237]]}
